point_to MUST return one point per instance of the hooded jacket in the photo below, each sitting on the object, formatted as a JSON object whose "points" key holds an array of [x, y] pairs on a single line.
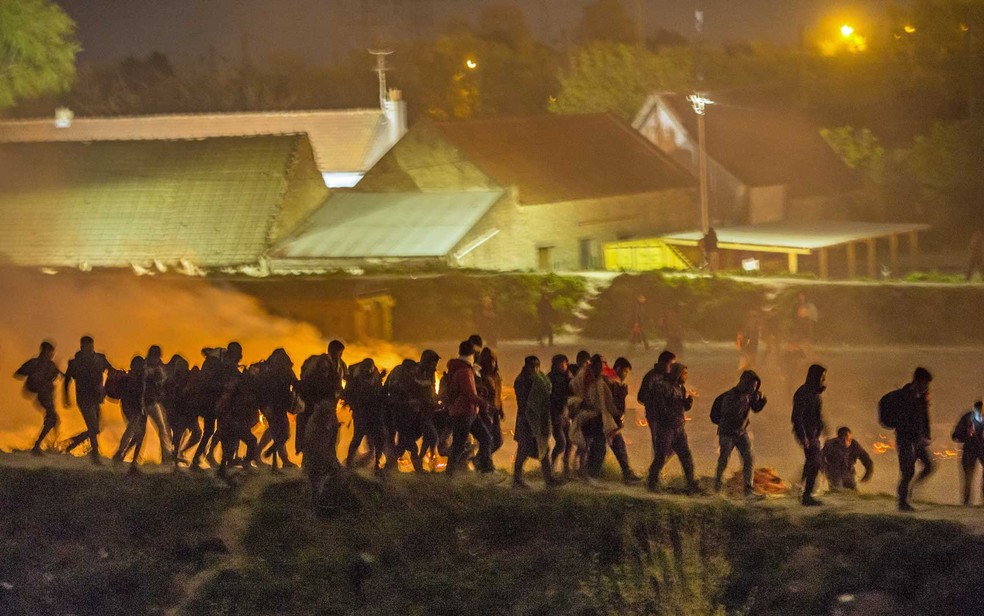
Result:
{"points": [[462, 392], [807, 416], [673, 404], [736, 403]]}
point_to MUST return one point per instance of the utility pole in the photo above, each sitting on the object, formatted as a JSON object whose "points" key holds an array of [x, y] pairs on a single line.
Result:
{"points": [[700, 102], [380, 70]]}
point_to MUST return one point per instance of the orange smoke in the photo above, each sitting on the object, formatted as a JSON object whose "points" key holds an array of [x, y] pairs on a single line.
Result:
{"points": [[126, 314]]}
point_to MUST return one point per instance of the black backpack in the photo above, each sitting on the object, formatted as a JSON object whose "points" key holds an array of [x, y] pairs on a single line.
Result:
{"points": [[888, 408]]}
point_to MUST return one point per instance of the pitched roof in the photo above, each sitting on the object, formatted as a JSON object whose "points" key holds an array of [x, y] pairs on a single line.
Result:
{"points": [[798, 235], [345, 140], [212, 202], [769, 147], [387, 225], [554, 158]]}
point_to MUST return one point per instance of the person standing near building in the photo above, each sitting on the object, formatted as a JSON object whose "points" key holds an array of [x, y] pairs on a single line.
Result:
{"points": [[807, 418], [87, 369], [975, 260], [969, 431], [730, 413], [638, 332], [545, 315], [906, 411], [39, 374], [669, 427]]}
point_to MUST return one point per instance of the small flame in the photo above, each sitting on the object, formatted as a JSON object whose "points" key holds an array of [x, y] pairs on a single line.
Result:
{"points": [[882, 446]]}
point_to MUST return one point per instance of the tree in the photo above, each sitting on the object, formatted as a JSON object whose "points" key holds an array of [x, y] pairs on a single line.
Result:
{"points": [[37, 50], [617, 78]]}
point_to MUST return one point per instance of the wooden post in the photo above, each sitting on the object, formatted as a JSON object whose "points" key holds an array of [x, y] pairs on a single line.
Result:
{"points": [[824, 264], [852, 260], [872, 259], [793, 263], [893, 254], [913, 250]]}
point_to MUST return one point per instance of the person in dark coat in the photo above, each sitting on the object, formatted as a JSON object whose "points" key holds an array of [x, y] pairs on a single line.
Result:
{"points": [[669, 427], [364, 395], [532, 406], [179, 402], [840, 456], [545, 315], [490, 387], [131, 404], [274, 383], [649, 393], [908, 411], [88, 370], [807, 418], [620, 391], [560, 421], [969, 431], [403, 415], [39, 374], [730, 412], [219, 368]]}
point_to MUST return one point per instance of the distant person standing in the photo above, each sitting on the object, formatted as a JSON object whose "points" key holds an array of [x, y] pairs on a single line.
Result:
{"points": [[975, 261], [87, 369], [730, 413], [638, 332], [545, 315], [969, 431], [709, 247], [487, 320], [805, 318], [807, 418], [39, 374], [906, 411], [840, 456]]}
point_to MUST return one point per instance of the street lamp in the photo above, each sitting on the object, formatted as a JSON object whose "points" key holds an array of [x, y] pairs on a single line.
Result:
{"points": [[471, 64], [847, 31], [699, 103]]}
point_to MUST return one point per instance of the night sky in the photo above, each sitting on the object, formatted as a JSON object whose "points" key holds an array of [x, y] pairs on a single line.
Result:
{"points": [[321, 30]]}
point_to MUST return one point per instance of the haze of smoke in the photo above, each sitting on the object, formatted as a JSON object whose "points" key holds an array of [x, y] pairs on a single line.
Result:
{"points": [[126, 314]]}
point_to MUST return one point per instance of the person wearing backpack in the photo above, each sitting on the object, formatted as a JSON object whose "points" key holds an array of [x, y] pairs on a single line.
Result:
{"points": [[648, 395], [730, 412], [131, 404], [906, 410], [86, 369], [275, 386], [364, 395], [39, 374], [320, 388], [220, 367], [807, 419], [969, 431]]}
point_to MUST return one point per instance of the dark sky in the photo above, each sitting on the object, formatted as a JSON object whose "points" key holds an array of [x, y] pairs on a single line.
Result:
{"points": [[321, 29]]}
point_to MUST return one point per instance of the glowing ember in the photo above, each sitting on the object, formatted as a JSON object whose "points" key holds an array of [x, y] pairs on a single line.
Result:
{"points": [[946, 454], [882, 446]]}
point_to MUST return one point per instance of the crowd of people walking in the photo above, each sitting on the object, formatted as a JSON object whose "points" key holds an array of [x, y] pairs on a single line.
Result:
{"points": [[567, 418]]}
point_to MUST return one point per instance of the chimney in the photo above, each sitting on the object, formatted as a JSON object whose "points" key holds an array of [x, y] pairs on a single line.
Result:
{"points": [[395, 110]]}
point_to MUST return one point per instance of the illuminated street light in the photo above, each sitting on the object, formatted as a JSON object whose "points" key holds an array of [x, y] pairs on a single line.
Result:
{"points": [[471, 64], [909, 29], [847, 31], [700, 103]]}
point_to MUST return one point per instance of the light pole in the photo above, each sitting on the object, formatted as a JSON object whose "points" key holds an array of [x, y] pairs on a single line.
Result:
{"points": [[700, 102]]}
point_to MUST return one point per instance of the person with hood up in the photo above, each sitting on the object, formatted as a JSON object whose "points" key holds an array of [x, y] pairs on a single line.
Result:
{"points": [[807, 418], [275, 382], [649, 393], [364, 395], [730, 413], [906, 410], [39, 374], [533, 429], [594, 415], [969, 431], [669, 428], [87, 369], [491, 390], [464, 405]]}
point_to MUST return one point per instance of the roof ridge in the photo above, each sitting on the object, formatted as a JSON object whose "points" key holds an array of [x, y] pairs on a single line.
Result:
{"points": [[202, 114]]}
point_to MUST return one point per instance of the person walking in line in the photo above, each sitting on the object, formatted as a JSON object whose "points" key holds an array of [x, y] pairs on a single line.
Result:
{"points": [[807, 418], [87, 369], [969, 432], [906, 411], [730, 413], [39, 374]]}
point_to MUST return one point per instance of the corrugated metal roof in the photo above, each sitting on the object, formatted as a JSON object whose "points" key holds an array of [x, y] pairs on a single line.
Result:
{"points": [[805, 235], [212, 202], [346, 140], [381, 225]]}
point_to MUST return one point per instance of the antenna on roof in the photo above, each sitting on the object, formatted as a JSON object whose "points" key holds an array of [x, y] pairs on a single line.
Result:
{"points": [[380, 70]]}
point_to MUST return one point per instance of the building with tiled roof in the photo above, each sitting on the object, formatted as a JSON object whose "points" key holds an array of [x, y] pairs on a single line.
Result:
{"points": [[346, 143], [572, 182], [763, 165], [184, 204]]}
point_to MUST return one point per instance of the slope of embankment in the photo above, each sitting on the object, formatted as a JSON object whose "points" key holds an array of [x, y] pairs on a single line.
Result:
{"points": [[81, 541]]}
